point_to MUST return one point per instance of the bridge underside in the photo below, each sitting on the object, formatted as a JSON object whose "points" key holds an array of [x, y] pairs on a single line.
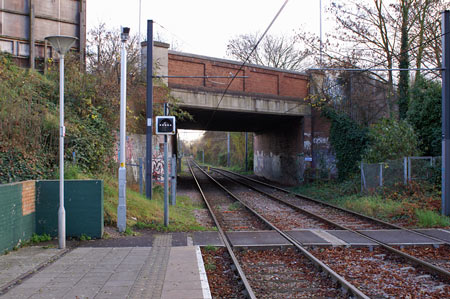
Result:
{"points": [[276, 121], [233, 121], [278, 139]]}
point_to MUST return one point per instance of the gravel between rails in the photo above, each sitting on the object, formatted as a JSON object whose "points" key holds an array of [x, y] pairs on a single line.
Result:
{"points": [[340, 217], [380, 274], [437, 256], [231, 215], [281, 215], [284, 273], [223, 281]]}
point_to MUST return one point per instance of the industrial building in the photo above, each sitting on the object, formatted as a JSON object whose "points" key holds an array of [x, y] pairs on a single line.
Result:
{"points": [[28, 22]]}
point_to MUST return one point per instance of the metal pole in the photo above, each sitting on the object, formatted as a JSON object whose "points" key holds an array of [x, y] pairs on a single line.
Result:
{"points": [[321, 44], [139, 37], [62, 133], [228, 149], [141, 176], [174, 180], [446, 113], [203, 156], [122, 207], [246, 151], [149, 111], [166, 177]]}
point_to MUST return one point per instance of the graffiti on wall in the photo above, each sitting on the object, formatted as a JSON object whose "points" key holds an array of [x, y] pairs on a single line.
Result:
{"points": [[135, 150]]}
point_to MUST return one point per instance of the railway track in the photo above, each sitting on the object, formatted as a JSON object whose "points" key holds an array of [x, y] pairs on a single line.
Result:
{"points": [[341, 216], [410, 270], [437, 260], [278, 273]]}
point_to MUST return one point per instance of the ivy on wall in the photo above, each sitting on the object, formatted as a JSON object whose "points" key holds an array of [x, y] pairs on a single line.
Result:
{"points": [[349, 141]]}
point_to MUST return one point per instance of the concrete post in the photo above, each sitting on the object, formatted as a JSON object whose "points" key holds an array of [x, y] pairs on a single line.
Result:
{"points": [[32, 48]]}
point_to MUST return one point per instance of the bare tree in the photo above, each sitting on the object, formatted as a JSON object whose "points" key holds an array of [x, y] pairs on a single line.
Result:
{"points": [[103, 52], [275, 51]]}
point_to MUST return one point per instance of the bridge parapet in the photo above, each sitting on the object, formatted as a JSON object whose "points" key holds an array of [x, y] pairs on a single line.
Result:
{"points": [[259, 79]]}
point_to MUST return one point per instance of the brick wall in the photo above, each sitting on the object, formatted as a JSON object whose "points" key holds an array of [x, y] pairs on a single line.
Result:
{"points": [[28, 197], [261, 80], [17, 217]]}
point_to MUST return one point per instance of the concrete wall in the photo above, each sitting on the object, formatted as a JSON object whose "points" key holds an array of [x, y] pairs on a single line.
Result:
{"points": [[17, 213], [136, 148], [278, 153], [25, 21], [83, 202]]}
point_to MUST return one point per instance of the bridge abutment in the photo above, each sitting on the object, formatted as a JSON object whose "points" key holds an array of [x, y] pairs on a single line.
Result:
{"points": [[279, 154]]}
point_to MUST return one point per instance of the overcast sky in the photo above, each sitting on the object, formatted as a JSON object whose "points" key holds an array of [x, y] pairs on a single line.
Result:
{"points": [[204, 26]]}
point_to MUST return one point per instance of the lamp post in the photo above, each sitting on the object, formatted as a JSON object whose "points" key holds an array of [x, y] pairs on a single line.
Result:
{"points": [[122, 207], [61, 44]]}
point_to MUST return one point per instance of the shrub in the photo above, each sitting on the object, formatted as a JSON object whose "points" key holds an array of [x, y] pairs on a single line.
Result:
{"points": [[391, 139]]}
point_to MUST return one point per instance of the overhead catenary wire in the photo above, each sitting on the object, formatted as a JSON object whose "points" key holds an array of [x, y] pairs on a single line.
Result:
{"points": [[245, 61]]}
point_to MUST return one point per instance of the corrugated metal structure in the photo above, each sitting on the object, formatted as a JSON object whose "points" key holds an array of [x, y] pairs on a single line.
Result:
{"points": [[25, 22]]}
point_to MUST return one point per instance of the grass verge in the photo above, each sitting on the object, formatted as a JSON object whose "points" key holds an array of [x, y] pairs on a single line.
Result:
{"points": [[144, 213], [416, 205]]}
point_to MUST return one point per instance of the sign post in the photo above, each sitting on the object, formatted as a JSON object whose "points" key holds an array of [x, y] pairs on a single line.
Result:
{"points": [[165, 125]]}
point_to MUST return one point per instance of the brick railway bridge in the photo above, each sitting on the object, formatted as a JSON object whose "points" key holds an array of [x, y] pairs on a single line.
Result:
{"points": [[269, 102]]}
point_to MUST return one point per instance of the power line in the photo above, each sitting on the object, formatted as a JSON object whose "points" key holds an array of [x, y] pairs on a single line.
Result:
{"points": [[245, 61]]}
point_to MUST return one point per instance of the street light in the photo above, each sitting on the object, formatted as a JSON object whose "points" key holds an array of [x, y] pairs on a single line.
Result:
{"points": [[122, 207], [61, 44]]}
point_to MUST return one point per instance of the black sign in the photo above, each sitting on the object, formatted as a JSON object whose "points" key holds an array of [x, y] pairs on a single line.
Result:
{"points": [[165, 125]]}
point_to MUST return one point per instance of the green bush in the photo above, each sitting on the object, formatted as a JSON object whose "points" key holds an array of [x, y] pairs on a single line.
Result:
{"points": [[29, 121], [424, 114], [391, 139]]}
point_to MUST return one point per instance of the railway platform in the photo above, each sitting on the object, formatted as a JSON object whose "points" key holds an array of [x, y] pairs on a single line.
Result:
{"points": [[156, 266], [157, 271]]}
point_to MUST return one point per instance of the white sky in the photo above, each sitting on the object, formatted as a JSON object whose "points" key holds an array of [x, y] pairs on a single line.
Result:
{"points": [[205, 26]]}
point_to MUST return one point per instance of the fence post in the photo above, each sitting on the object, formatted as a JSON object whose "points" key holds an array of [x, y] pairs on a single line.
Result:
{"points": [[363, 178], [381, 174], [409, 169], [405, 170], [362, 175], [141, 176]]}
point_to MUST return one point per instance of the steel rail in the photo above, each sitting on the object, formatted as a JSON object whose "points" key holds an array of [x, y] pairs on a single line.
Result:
{"points": [[334, 276], [428, 266], [395, 226], [241, 273]]}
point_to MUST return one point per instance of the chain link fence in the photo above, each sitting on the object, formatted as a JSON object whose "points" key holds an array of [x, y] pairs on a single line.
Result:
{"points": [[402, 171]]}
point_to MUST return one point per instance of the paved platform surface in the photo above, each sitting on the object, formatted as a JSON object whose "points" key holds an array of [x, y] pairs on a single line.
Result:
{"points": [[160, 271], [20, 263]]}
